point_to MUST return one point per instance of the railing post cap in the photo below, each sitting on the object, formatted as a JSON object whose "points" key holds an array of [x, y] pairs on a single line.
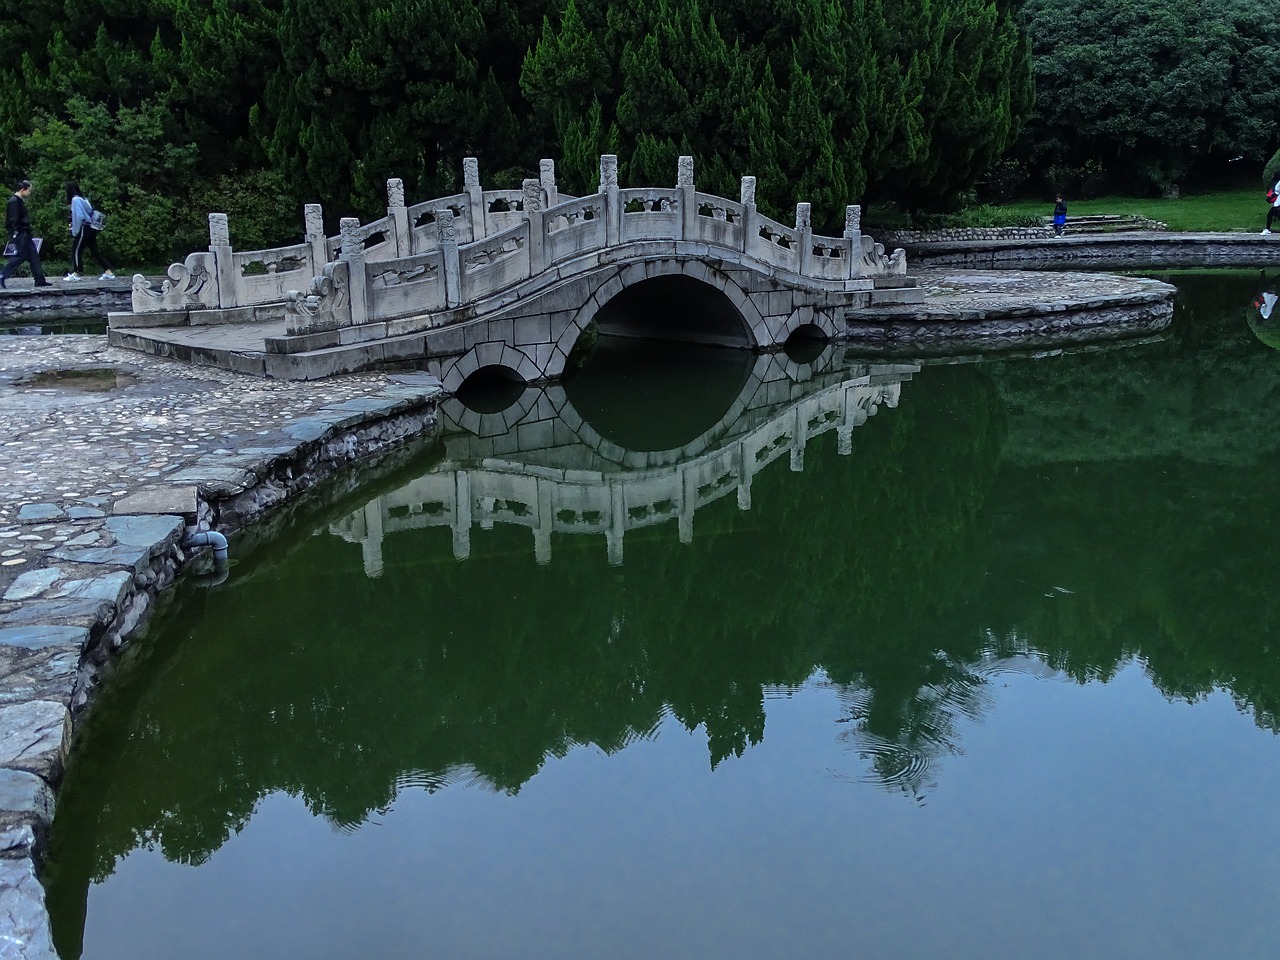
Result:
{"points": [[219, 230], [470, 172], [684, 172]]}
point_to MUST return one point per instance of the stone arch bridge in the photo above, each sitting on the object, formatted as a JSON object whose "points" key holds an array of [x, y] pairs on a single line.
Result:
{"points": [[510, 279]]}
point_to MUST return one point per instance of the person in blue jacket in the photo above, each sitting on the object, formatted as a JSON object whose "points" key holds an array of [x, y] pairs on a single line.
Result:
{"points": [[1059, 216], [83, 234]]}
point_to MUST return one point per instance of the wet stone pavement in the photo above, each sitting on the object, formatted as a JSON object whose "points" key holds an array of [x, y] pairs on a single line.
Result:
{"points": [[108, 459]]}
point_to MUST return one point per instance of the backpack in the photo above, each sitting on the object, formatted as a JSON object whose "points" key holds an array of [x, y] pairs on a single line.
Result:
{"points": [[97, 220]]}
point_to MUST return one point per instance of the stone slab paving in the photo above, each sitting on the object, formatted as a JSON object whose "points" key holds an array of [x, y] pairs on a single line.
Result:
{"points": [[964, 294], [968, 309], [108, 458]]}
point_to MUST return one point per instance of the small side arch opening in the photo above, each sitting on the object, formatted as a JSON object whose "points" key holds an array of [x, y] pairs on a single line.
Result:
{"points": [[806, 343], [491, 389]]}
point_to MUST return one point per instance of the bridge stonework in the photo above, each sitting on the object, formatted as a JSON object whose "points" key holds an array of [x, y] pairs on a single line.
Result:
{"points": [[534, 336], [509, 278]]}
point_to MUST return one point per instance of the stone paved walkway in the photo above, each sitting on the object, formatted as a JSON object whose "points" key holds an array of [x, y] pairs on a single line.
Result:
{"points": [[71, 444]]}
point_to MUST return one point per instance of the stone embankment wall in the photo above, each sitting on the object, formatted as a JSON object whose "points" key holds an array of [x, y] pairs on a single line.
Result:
{"points": [[62, 302], [897, 238], [1106, 251], [63, 622]]}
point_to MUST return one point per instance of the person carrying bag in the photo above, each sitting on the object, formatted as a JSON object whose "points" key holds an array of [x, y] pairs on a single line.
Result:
{"points": [[26, 248], [86, 224]]}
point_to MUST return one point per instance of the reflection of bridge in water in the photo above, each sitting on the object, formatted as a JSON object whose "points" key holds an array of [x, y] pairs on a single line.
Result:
{"points": [[539, 465]]}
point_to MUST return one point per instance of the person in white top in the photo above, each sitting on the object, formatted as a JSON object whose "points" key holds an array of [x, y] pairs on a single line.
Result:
{"points": [[1275, 209]]}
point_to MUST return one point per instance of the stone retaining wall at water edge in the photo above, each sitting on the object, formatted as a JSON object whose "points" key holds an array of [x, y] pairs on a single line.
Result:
{"points": [[901, 238], [91, 299], [81, 570], [1115, 251]]}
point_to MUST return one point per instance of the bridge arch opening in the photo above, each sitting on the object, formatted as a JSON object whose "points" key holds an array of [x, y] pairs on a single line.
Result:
{"points": [[674, 307], [491, 389], [806, 343]]}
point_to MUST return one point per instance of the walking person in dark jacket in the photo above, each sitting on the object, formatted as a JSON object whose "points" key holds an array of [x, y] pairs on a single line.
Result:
{"points": [[1059, 216], [17, 224]]}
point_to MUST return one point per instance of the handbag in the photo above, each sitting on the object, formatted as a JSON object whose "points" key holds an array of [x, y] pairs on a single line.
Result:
{"points": [[98, 220], [11, 248]]}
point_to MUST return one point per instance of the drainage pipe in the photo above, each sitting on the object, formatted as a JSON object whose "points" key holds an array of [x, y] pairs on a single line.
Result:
{"points": [[209, 538]]}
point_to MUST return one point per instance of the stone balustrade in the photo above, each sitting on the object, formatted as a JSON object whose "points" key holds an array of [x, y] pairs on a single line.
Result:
{"points": [[459, 250]]}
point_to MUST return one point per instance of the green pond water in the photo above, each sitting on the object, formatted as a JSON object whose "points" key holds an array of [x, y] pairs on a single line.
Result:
{"points": [[732, 657]]}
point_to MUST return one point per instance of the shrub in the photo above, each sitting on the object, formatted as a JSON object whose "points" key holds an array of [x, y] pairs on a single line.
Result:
{"points": [[1004, 179], [261, 210]]}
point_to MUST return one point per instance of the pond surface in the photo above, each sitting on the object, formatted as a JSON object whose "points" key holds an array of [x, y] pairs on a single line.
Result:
{"points": [[827, 659], [46, 322]]}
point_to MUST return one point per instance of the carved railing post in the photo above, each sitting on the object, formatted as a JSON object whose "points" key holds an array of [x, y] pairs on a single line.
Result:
{"points": [[533, 213], [399, 217], [547, 177], [452, 263], [371, 543], [475, 197], [224, 268], [804, 226], [853, 233], [744, 478], [687, 225], [353, 254], [313, 225], [750, 227], [688, 505], [545, 523], [612, 207]]}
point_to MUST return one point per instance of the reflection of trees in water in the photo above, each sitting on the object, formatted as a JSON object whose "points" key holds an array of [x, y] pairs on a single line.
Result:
{"points": [[907, 572], [902, 740], [495, 678]]}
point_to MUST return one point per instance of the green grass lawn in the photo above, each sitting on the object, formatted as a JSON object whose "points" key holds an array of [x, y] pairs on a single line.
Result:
{"points": [[1240, 210]]}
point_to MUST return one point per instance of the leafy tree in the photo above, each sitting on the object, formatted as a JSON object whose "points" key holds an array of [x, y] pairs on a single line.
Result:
{"points": [[125, 162], [1153, 92]]}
